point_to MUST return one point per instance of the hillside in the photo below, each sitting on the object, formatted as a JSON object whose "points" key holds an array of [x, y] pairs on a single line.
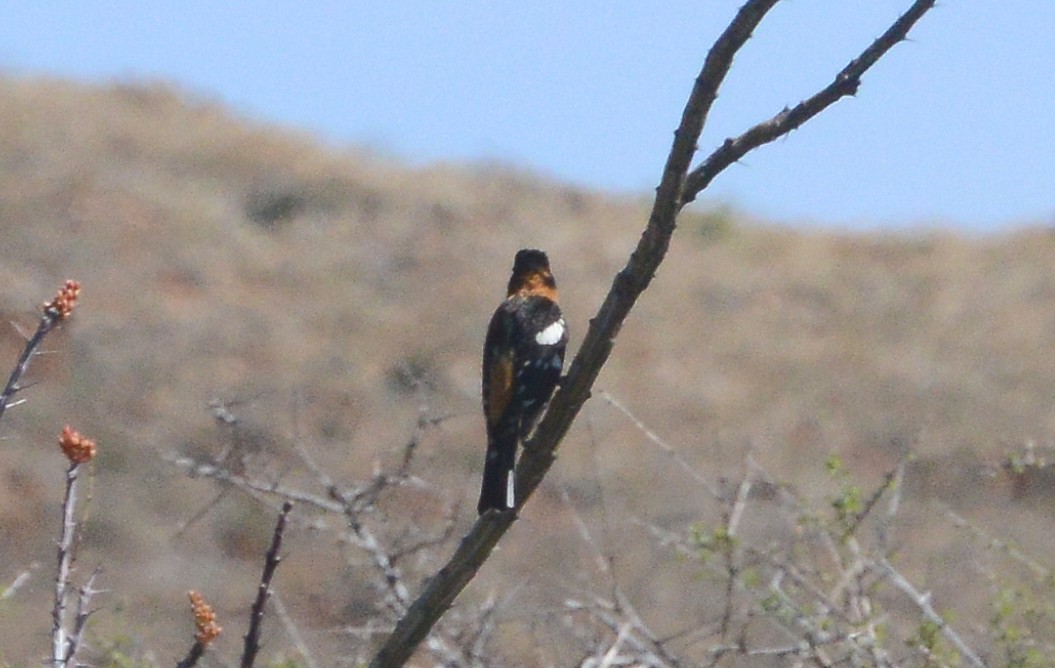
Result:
{"points": [[331, 298]]}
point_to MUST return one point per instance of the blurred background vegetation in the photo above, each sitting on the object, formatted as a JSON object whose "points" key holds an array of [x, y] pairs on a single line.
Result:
{"points": [[333, 298]]}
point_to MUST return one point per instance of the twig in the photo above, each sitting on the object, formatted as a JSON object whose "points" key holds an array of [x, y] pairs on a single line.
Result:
{"points": [[291, 629], [84, 598], [846, 83], [890, 480], [368, 495], [59, 636], [1008, 549], [671, 195], [55, 312], [663, 445], [399, 596], [195, 468], [196, 651], [603, 561], [256, 617], [646, 641], [16, 584], [885, 528], [352, 502], [729, 551], [655, 649], [485, 628], [922, 602], [608, 614], [78, 450], [816, 637], [613, 653], [441, 590], [426, 542]]}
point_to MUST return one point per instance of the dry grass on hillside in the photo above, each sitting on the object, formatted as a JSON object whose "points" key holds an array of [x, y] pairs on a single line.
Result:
{"points": [[333, 297]]}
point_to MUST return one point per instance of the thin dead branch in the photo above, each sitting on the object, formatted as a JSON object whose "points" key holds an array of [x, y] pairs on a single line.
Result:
{"points": [[65, 640], [83, 612], [59, 632], [922, 601], [356, 503], [55, 311], [291, 630], [667, 449], [256, 617], [16, 584], [846, 83]]}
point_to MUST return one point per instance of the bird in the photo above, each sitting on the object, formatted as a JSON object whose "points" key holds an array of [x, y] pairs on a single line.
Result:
{"points": [[522, 363]]}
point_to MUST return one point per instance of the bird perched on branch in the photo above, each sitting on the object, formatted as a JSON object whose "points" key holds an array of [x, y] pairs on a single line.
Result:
{"points": [[523, 358]]}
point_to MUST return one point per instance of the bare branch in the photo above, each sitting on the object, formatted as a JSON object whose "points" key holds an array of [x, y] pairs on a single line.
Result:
{"points": [[291, 629], [196, 651], [16, 584], [441, 590], [355, 502], [59, 633], [960, 522], [890, 481], [84, 598], [846, 82], [195, 468], [398, 595], [271, 560], [637, 637], [55, 311], [668, 449], [636, 276], [671, 195], [922, 602], [78, 450]]}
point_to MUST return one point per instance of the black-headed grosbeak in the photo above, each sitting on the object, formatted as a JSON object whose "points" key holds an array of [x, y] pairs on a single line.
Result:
{"points": [[523, 358]]}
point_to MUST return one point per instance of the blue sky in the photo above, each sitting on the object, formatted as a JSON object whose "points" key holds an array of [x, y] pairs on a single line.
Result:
{"points": [[956, 128]]}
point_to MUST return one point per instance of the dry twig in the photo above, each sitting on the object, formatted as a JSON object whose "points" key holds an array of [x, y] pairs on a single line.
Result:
{"points": [[291, 629], [922, 601], [256, 617], [356, 503], [55, 312], [65, 641]]}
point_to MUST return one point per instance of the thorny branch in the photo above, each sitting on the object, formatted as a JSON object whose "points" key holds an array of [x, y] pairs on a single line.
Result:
{"points": [[676, 189], [291, 630], [62, 579], [256, 616], [83, 612], [618, 615], [62, 639], [354, 503], [55, 312], [922, 602]]}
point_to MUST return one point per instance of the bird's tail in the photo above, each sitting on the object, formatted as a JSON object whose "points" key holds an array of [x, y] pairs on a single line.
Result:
{"points": [[497, 490]]}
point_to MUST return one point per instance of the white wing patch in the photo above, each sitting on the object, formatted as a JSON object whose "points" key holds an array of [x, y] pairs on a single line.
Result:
{"points": [[510, 493], [551, 334]]}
